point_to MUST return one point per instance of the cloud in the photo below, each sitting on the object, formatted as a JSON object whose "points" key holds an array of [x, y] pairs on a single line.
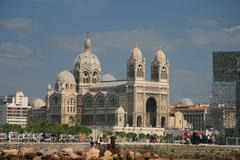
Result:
{"points": [[20, 25], [11, 51], [232, 29], [16, 55], [122, 40], [206, 21], [146, 39], [69, 42], [212, 36]]}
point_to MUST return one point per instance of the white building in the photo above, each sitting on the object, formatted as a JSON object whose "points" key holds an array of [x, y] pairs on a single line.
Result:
{"points": [[176, 120], [193, 113], [16, 111]]}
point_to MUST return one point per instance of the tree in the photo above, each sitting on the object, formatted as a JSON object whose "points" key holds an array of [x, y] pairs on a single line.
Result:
{"points": [[142, 136], [6, 128], [121, 134], [56, 128], [131, 135], [107, 132]]}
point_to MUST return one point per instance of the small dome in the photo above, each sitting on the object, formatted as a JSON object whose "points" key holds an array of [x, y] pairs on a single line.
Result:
{"points": [[186, 102], [120, 110], [65, 77], [38, 103], [160, 56], [108, 77], [136, 54]]}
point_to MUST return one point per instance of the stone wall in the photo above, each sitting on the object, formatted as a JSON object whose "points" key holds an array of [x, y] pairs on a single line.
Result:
{"points": [[187, 151], [169, 151]]}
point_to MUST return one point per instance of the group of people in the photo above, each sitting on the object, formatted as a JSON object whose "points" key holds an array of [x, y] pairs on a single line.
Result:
{"points": [[97, 142], [197, 137]]}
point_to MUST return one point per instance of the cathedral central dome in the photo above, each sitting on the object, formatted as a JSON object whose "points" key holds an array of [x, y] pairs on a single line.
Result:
{"points": [[87, 59], [87, 67]]}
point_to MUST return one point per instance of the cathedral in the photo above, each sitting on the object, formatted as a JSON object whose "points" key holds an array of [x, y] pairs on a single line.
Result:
{"points": [[85, 96]]}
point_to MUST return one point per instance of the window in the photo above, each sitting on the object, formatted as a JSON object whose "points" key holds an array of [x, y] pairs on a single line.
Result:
{"points": [[95, 77], [100, 118], [88, 102], [140, 72], [88, 119], [85, 77], [130, 71], [164, 73], [154, 72], [113, 102], [110, 119], [55, 100], [100, 102]]}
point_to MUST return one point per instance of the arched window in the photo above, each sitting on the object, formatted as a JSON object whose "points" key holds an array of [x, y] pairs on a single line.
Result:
{"points": [[113, 102], [55, 100], [130, 71], [100, 102], [88, 103], [139, 121], [154, 72], [164, 73], [85, 77], [140, 72], [66, 86], [163, 121], [95, 77]]}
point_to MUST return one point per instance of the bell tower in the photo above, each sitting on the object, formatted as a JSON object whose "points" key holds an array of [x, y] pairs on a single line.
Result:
{"points": [[136, 66], [160, 67]]}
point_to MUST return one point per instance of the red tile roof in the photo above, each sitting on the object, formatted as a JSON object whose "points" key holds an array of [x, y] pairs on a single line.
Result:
{"points": [[194, 108]]}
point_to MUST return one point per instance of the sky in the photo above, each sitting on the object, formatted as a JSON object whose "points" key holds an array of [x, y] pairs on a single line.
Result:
{"points": [[40, 38]]}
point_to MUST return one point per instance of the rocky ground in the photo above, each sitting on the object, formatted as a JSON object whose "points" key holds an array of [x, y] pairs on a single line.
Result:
{"points": [[105, 153]]}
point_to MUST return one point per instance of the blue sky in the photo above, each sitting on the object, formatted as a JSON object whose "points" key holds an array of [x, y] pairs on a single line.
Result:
{"points": [[40, 38]]}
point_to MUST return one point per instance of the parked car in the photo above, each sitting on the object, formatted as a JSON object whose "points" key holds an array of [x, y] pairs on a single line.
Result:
{"points": [[3, 137], [13, 136], [63, 138], [45, 137]]}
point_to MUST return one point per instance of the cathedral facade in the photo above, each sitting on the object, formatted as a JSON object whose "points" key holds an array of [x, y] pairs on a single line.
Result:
{"points": [[86, 96]]}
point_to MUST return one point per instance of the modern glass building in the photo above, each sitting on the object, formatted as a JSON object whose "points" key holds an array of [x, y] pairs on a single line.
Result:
{"points": [[225, 106]]}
